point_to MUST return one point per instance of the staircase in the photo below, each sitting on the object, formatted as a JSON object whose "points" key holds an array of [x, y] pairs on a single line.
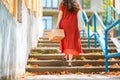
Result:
{"points": [[47, 58]]}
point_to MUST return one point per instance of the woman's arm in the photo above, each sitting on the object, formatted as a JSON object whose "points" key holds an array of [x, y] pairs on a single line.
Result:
{"points": [[59, 18]]}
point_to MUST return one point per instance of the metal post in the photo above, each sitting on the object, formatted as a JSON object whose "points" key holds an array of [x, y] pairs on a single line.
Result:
{"points": [[83, 34], [88, 34], [106, 51], [95, 41], [111, 15], [107, 13]]}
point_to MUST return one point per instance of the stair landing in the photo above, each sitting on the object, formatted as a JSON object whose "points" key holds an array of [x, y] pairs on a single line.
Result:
{"points": [[72, 77]]}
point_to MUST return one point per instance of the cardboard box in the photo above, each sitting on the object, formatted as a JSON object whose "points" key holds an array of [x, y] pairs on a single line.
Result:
{"points": [[56, 35]]}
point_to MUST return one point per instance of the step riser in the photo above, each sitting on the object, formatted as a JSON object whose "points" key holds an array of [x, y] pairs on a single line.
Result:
{"points": [[61, 57], [74, 63], [57, 45], [84, 51], [82, 38], [69, 69], [83, 41]]}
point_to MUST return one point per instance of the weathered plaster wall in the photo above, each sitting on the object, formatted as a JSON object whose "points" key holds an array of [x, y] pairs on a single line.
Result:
{"points": [[16, 40]]}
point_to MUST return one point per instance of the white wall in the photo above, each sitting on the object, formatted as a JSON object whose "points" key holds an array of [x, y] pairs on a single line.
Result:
{"points": [[117, 5], [7, 44], [16, 40], [96, 5]]}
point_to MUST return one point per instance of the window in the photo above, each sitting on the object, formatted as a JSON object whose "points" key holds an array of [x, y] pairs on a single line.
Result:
{"points": [[47, 22], [85, 4], [50, 3]]}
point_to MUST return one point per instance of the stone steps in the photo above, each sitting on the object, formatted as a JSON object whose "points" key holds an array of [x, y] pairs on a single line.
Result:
{"points": [[73, 69], [81, 38], [56, 50], [47, 57], [88, 56], [74, 62], [57, 45], [82, 41]]}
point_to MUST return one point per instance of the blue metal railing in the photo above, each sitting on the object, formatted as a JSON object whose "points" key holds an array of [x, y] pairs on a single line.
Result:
{"points": [[114, 12], [96, 17]]}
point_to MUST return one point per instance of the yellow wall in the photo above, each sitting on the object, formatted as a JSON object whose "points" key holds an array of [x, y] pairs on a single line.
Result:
{"points": [[34, 5], [11, 5]]}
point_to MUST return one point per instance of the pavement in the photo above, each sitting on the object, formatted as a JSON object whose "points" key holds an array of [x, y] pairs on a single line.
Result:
{"points": [[72, 77]]}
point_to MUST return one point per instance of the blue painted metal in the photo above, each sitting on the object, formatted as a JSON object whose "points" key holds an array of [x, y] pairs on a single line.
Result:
{"points": [[95, 23], [85, 16], [88, 34], [106, 64], [106, 29], [83, 34], [100, 21], [113, 24], [113, 55], [106, 51], [91, 35], [112, 18], [106, 40], [111, 15], [115, 10], [91, 17], [106, 14], [101, 44]]}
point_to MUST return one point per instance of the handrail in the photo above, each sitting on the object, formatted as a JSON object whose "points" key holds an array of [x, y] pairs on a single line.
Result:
{"points": [[96, 36], [95, 16], [100, 21], [112, 9], [89, 19], [113, 25], [115, 10], [85, 15]]}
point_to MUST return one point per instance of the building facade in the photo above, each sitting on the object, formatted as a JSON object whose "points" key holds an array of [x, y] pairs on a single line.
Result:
{"points": [[50, 10], [19, 31], [117, 5]]}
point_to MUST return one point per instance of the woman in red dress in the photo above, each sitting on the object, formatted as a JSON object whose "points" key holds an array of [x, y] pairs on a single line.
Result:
{"points": [[67, 20]]}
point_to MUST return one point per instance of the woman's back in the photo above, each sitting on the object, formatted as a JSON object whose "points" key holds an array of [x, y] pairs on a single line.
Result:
{"points": [[71, 42]]}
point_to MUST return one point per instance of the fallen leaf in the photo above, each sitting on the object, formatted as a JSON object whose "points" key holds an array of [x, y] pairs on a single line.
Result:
{"points": [[46, 73], [78, 73], [102, 73], [100, 59], [87, 65], [83, 58]]}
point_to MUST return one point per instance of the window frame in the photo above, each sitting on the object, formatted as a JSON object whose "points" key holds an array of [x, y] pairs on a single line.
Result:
{"points": [[52, 4], [46, 21]]}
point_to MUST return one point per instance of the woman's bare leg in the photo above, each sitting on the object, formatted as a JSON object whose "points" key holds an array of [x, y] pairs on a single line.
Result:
{"points": [[65, 57], [70, 60]]}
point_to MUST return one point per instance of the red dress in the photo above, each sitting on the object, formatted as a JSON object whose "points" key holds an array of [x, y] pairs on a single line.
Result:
{"points": [[71, 43]]}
